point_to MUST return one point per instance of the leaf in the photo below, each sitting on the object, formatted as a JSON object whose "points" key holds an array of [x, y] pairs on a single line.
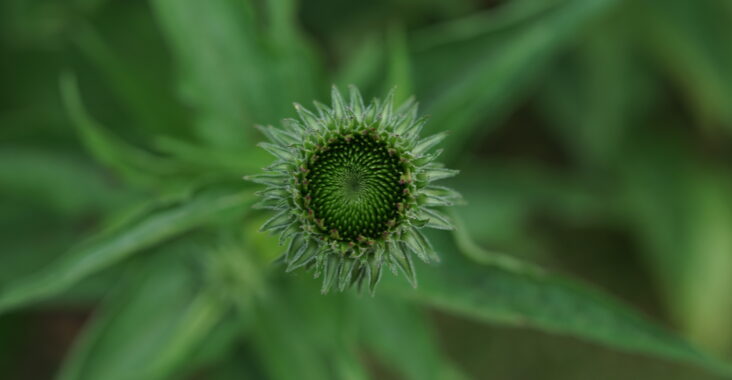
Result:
{"points": [[363, 67], [400, 335], [59, 181], [505, 19], [689, 41], [524, 297], [142, 90], [114, 245], [48, 193], [399, 67], [207, 160], [681, 211], [241, 65], [290, 322], [136, 165], [513, 191], [475, 68], [149, 327], [592, 97]]}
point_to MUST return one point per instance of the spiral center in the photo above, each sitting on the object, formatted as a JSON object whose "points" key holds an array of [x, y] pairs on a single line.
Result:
{"points": [[353, 185], [355, 188]]}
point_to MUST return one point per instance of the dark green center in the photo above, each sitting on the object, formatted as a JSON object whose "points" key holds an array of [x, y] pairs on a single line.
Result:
{"points": [[355, 188]]}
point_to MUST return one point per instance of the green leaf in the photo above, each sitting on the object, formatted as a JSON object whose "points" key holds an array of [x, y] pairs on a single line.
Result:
{"points": [[592, 97], [399, 67], [240, 66], [121, 241], [149, 327], [48, 193], [207, 160], [58, 181], [681, 210], [513, 192], [140, 89], [136, 165], [291, 320], [363, 67], [400, 335], [689, 40], [474, 69], [525, 297]]}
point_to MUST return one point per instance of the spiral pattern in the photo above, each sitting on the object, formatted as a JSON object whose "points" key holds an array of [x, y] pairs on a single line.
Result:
{"points": [[352, 189], [355, 188]]}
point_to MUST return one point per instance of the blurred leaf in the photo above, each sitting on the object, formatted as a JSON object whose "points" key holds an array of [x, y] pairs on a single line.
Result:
{"points": [[111, 246], [681, 209], [48, 193], [39, 24], [237, 366], [399, 67], [592, 96], [58, 181], [299, 334], [690, 40], [709, 277], [207, 160], [363, 67], [503, 205], [474, 25], [136, 165], [240, 65], [149, 327], [477, 75], [399, 335], [472, 250], [152, 104], [524, 297]]}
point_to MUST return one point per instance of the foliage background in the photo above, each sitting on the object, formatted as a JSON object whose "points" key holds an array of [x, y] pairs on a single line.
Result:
{"points": [[593, 138]]}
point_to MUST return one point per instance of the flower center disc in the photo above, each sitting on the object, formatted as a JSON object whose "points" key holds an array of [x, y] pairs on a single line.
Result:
{"points": [[354, 186]]}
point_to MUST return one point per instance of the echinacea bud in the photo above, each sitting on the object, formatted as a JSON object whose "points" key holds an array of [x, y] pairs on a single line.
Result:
{"points": [[352, 189]]}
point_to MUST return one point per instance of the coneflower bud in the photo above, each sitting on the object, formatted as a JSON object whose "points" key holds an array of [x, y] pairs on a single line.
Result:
{"points": [[352, 188]]}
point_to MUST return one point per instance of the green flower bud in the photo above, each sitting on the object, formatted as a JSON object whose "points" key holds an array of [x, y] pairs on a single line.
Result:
{"points": [[352, 189]]}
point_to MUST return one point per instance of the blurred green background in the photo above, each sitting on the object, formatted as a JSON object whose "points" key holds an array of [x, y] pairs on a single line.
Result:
{"points": [[594, 139]]}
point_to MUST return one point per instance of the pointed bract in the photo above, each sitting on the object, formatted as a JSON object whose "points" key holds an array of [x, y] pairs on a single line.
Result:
{"points": [[387, 108], [339, 106], [357, 106], [424, 145]]}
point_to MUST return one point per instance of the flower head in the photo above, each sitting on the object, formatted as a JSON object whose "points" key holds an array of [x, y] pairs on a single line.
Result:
{"points": [[352, 189]]}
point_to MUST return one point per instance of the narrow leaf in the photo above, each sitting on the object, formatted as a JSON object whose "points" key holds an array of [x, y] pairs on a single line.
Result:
{"points": [[114, 245], [131, 162], [159, 307], [504, 295]]}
